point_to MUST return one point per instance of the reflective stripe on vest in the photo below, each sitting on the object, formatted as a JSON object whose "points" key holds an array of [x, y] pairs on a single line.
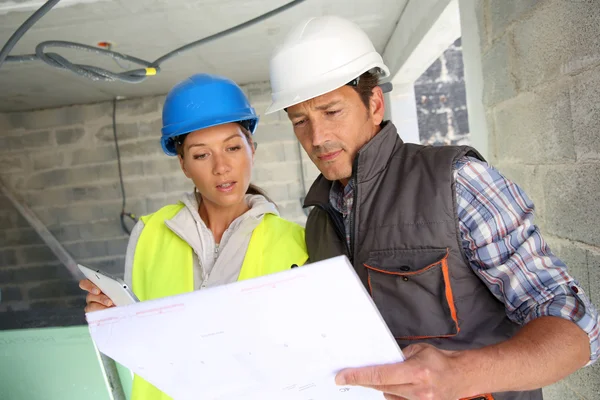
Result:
{"points": [[163, 264]]}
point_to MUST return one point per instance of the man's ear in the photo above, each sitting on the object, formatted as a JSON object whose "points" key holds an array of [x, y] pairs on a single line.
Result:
{"points": [[182, 165], [377, 105]]}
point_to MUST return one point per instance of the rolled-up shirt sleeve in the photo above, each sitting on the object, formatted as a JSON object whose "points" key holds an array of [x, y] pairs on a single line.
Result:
{"points": [[507, 251]]}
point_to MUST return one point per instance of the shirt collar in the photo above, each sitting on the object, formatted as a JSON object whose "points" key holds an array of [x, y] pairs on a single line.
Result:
{"points": [[338, 195]]}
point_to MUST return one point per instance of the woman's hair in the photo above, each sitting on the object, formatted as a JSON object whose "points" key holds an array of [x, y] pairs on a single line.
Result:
{"points": [[252, 189]]}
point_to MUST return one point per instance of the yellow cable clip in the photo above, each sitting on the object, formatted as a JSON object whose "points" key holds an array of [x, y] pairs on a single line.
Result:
{"points": [[150, 71]]}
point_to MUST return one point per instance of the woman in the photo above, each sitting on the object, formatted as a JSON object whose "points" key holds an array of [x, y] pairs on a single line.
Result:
{"points": [[226, 230]]}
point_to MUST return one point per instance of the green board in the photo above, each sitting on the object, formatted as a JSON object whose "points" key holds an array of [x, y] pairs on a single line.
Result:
{"points": [[53, 364]]}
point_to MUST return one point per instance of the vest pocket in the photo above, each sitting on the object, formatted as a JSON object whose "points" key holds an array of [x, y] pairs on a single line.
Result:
{"points": [[412, 291]]}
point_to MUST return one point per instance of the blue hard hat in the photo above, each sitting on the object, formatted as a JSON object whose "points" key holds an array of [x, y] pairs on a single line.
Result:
{"points": [[202, 101]]}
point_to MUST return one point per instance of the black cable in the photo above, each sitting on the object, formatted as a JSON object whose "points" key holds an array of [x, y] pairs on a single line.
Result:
{"points": [[123, 212], [101, 74]]}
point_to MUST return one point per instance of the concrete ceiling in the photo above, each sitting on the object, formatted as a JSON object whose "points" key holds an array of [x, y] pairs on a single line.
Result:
{"points": [[148, 29]]}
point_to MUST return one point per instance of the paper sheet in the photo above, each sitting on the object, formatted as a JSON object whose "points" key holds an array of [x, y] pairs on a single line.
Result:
{"points": [[282, 336]]}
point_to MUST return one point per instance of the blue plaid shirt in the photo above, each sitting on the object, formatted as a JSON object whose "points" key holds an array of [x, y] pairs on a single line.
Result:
{"points": [[506, 249]]}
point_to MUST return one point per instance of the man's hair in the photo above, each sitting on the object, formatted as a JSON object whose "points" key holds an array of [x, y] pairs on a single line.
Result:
{"points": [[364, 86]]}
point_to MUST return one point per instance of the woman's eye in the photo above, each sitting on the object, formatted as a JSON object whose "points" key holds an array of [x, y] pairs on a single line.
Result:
{"points": [[234, 148], [200, 156]]}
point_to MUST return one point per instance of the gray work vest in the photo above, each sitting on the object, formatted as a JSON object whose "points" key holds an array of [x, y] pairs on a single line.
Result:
{"points": [[406, 247]]}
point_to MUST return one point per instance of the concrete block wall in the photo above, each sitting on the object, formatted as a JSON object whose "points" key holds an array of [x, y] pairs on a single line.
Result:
{"points": [[63, 164], [541, 68]]}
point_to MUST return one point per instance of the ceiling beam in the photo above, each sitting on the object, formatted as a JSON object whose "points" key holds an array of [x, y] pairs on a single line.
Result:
{"points": [[425, 29]]}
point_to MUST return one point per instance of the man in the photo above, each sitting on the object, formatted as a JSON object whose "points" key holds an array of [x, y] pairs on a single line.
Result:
{"points": [[445, 244]]}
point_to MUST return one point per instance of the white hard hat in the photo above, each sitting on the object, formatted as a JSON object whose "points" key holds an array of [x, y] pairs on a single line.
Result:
{"points": [[318, 56]]}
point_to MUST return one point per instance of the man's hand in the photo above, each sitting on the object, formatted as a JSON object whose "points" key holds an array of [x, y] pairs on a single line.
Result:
{"points": [[555, 346], [428, 373]]}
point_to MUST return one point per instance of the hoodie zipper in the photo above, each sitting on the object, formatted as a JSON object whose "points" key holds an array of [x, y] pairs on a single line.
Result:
{"points": [[216, 254]]}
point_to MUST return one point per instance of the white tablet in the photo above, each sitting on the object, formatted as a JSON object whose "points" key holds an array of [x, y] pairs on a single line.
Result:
{"points": [[115, 288]]}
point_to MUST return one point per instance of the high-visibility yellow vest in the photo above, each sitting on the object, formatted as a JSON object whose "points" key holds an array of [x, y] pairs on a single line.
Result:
{"points": [[163, 264]]}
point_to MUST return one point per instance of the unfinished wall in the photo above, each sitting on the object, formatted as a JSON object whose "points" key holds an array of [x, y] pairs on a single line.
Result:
{"points": [[63, 163], [441, 100], [541, 69]]}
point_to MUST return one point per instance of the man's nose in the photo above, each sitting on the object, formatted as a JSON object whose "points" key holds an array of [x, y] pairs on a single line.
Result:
{"points": [[318, 134]]}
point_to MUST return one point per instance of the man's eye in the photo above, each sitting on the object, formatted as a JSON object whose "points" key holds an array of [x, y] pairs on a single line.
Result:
{"points": [[298, 123], [332, 112]]}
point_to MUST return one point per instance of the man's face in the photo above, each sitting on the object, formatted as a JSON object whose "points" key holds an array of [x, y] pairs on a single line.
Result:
{"points": [[333, 127]]}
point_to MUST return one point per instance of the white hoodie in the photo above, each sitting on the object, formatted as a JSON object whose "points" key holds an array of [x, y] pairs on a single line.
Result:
{"points": [[213, 265]]}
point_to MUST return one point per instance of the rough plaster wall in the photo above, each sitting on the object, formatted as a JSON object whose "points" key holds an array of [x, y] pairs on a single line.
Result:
{"points": [[541, 65], [62, 162], [441, 100]]}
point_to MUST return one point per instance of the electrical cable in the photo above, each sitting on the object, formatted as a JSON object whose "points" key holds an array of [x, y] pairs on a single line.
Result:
{"points": [[109, 47], [123, 212], [29, 22], [101, 74]]}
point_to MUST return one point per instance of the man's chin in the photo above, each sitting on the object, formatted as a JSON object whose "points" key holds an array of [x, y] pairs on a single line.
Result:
{"points": [[334, 175]]}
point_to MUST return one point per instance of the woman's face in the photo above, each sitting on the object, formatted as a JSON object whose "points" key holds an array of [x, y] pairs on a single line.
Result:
{"points": [[219, 161]]}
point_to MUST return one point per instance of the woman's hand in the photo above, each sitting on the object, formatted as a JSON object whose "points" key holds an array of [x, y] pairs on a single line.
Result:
{"points": [[95, 300]]}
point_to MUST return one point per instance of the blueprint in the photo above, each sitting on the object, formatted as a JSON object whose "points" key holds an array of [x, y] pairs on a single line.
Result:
{"points": [[281, 336]]}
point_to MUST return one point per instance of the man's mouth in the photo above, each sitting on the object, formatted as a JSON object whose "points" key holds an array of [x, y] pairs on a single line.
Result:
{"points": [[329, 156]]}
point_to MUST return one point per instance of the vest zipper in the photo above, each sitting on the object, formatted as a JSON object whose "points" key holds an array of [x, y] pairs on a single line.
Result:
{"points": [[354, 205], [338, 224]]}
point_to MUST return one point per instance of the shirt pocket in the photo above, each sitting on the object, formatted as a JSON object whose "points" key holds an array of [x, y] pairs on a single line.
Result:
{"points": [[413, 292]]}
